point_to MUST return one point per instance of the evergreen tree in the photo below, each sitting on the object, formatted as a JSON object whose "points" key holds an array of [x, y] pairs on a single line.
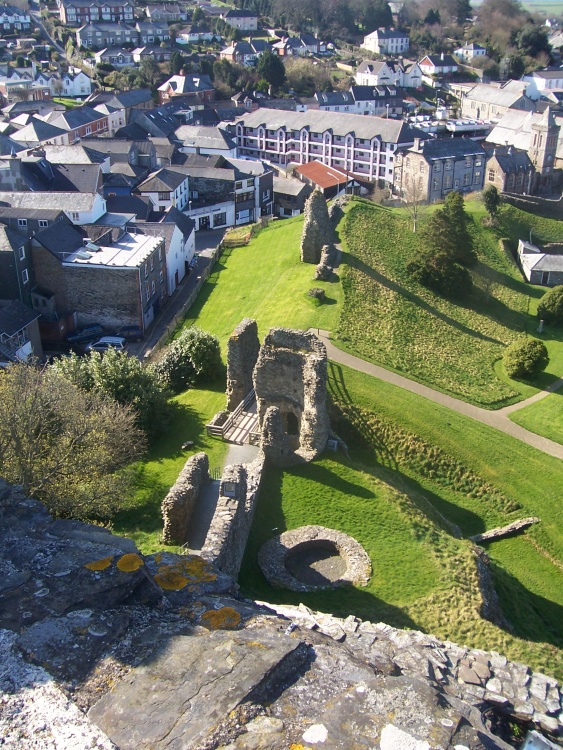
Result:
{"points": [[271, 68]]}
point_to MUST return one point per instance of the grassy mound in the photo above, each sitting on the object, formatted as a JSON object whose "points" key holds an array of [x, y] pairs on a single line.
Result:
{"points": [[390, 319]]}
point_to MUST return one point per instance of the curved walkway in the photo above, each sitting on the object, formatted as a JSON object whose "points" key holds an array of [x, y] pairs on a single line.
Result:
{"points": [[497, 419]]}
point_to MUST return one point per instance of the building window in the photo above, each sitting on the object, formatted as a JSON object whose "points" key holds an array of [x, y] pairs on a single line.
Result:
{"points": [[25, 276], [421, 166], [146, 271], [160, 253], [161, 276], [467, 161], [75, 215], [448, 181], [147, 292], [22, 222], [153, 286], [448, 166], [238, 185], [437, 166], [250, 183], [477, 178], [152, 262], [491, 175], [434, 184], [219, 220], [43, 223], [22, 253], [467, 179], [164, 196]]}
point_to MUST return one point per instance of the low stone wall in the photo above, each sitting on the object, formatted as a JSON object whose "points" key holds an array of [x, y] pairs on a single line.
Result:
{"points": [[228, 533], [178, 505], [273, 555]]}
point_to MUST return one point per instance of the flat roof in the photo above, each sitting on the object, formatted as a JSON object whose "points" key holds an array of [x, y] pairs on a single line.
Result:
{"points": [[129, 252]]}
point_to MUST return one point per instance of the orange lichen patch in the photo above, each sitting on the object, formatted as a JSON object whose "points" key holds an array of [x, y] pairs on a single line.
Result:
{"points": [[100, 564], [198, 568], [170, 578], [225, 618], [158, 558], [130, 562]]}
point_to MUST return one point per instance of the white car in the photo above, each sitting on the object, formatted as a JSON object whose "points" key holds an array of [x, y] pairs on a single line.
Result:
{"points": [[107, 342]]}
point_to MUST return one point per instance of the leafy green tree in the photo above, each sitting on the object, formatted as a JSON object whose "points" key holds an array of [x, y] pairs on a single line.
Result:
{"points": [[123, 379], [194, 356], [432, 17], [550, 307], [176, 63], [150, 70], [65, 446], [459, 237], [197, 15], [438, 271], [491, 200], [271, 68], [525, 359]]}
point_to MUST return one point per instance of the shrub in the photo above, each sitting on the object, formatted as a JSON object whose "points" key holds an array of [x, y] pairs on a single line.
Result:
{"points": [[124, 380], [194, 356], [550, 307], [317, 293], [525, 358], [439, 272]]}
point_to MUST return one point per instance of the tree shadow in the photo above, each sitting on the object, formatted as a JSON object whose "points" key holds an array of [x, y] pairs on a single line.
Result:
{"points": [[531, 616], [362, 267]]}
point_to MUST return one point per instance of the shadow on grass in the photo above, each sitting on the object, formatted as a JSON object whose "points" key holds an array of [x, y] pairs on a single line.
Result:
{"points": [[269, 521], [531, 617], [362, 267]]}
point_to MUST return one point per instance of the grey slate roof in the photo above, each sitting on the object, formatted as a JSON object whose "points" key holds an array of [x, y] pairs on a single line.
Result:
{"points": [[200, 135], [10, 240], [388, 130], [443, 148], [60, 239], [166, 179], [15, 315], [58, 201], [37, 131]]}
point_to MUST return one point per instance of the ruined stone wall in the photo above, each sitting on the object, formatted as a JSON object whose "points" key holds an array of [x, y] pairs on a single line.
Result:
{"points": [[317, 229], [178, 505], [242, 352], [228, 533], [290, 382]]}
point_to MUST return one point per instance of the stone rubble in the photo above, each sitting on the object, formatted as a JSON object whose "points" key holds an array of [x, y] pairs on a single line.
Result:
{"points": [[317, 229]]}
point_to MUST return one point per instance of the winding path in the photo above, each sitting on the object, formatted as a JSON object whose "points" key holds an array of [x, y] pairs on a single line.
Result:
{"points": [[497, 419]]}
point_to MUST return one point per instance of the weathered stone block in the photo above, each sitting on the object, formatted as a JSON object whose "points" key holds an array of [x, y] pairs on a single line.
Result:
{"points": [[178, 505], [317, 230], [242, 352]]}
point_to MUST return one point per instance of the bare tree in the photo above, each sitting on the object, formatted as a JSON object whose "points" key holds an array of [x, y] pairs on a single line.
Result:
{"points": [[413, 196]]}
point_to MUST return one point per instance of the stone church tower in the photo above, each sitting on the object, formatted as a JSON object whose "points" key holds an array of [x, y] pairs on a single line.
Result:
{"points": [[543, 145]]}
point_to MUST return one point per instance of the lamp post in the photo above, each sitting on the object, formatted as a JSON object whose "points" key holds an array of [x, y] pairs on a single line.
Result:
{"points": [[387, 111]]}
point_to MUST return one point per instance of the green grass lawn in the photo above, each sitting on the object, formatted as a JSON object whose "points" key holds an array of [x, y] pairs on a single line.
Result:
{"points": [[265, 280], [141, 519], [544, 417], [68, 103], [390, 319]]}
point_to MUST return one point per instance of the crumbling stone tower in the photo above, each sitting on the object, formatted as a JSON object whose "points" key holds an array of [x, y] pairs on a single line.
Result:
{"points": [[317, 229], [290, 381], [242, 352]]}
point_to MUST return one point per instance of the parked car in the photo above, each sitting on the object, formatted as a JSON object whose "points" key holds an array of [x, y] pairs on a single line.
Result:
{"points": [[130, 333], [107, 342], [88, 333]]}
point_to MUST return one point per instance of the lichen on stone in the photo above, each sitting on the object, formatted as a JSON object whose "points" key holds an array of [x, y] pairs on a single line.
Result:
{"points": [[102, 564], [130, 562], [170, 578], [226, 618]]}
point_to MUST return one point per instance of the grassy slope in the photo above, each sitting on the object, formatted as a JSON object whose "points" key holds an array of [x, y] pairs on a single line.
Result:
{"points": [[390, 319], [267, 281]]}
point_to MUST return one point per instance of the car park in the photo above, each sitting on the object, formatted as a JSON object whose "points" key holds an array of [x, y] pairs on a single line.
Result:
{"points": [[130, 333], [107, 342]]}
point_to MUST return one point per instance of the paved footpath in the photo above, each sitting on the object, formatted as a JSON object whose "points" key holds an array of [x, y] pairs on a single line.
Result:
{"points": [[497, 419]]}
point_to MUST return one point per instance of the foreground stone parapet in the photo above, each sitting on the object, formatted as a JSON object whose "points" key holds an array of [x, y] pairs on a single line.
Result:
{"points": [[274, 554]]}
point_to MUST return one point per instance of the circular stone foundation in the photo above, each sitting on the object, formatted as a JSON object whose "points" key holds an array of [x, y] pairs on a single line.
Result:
{"points": [[312, 558]]}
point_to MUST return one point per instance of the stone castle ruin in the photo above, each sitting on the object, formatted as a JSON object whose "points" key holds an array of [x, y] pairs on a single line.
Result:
{"points": [[317, 228], [242, 352], [290, 383]]}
